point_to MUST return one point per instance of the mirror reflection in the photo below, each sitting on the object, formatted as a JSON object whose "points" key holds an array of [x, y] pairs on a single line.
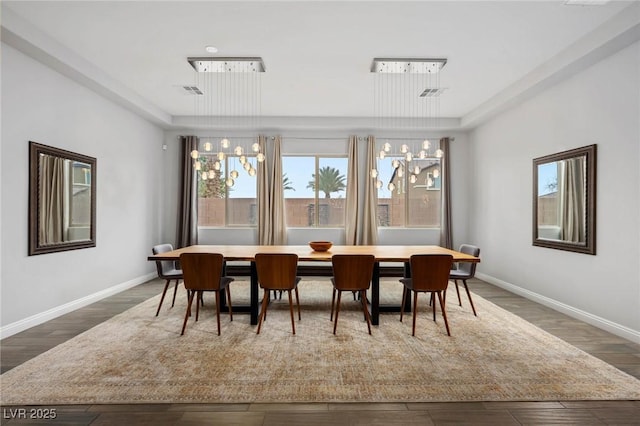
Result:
{"points": [[62, 210], [564, 198]]}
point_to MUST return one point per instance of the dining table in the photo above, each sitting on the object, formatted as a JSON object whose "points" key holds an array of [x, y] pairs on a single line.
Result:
{"points": [[382, 253]]}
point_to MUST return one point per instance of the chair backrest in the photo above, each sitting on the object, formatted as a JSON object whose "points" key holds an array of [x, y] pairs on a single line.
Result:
{"points": [[201, 271], [430, 272], [277, 270], [163, 266], [352, 271], [468, 268]]}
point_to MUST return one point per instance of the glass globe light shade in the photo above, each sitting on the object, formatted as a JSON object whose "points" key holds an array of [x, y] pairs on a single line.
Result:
{"points": [[378, 184], [416, 170], [413, 178], [208, 146], [422, 154], [382, 155], [426, 144], [404, 148], [230, 182], [198, 165], [400, 172], [439, 153], [408, 157], [221, 156], [238, 150], [216, 165], [255, 147], [194, 154], [391, 186], [246, 166], [436, 173], [225, 143], [234, 174], [252, 171], [374, 173], [395, 164], [212, 174], [243, 159], [386, 147], [204, 175], [260, 157], [429, 182]]}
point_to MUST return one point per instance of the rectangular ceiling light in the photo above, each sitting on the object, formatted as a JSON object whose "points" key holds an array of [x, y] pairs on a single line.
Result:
{"points": [[407, 65], [430, 93], [242, 64]]}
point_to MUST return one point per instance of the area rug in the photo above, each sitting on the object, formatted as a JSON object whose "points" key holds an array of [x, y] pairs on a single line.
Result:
{"points": [[136, 357]]}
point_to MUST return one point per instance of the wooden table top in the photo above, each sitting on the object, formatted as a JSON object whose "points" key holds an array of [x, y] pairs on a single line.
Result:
{"points": [[305, 253]]}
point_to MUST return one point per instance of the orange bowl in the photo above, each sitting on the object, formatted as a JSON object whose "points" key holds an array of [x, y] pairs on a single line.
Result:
{"points": [[320, 245]]}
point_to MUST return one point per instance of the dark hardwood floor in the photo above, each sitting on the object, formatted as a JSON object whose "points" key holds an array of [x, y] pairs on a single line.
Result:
{"points": [[617, 351]]}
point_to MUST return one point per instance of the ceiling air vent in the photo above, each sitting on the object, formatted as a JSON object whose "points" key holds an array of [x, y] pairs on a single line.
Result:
{"points": [[192, 90], [430, 93]]}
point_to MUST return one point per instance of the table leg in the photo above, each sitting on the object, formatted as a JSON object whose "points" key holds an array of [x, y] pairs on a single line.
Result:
{"points": [[375, 294], [407, 274], [253, 308]]}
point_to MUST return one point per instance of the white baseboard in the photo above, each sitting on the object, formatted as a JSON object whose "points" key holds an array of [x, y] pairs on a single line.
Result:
{"points": [[596, 321], [32, 321]]}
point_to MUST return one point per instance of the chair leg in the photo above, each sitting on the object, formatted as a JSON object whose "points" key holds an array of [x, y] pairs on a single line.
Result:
{"points": [[469, 295], [265, 301], [415, 312], [229, 303], [186, 316], [218, 310], [333, 302], [175, 291], [444, 313], [198, 297], [434, 306], [366, 310], [404, 297], [335, 324], [166, 286], [293, 323], [458, 291], [298, 303]]}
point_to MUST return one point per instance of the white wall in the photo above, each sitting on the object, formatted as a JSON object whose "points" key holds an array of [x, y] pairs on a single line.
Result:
{"points": [[601, 105], [312, 141], [41, 105]]}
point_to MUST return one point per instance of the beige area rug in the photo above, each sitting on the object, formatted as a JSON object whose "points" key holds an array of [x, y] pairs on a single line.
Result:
{"points": [[136, 357]]}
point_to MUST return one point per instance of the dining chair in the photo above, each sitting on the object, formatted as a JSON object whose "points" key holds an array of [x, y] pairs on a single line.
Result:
{"points": [[351, 272], [429, 274], [203, 272], [465, 271], [277, 271], [168, 271]]}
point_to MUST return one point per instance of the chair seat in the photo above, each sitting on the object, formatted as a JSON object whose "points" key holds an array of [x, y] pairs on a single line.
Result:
{"points": [[457, 274], [347, 288], [408, 282], [173, 273], [276, 288]]}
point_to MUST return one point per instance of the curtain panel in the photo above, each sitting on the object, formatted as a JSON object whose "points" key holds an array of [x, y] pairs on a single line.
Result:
{"points": [[187, 227], [446, 233], [272, 228]]}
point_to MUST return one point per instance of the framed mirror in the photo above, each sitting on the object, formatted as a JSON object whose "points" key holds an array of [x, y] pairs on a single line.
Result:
{"points": [[62, 200], [564, 200]]}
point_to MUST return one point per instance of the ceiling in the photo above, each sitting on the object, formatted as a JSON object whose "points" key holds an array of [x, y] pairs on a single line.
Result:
{"points": [[317, 54]]}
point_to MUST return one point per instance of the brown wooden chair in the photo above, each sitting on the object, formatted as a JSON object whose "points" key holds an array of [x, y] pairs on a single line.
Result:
{"points": [[167, 270], [429, 273], [351, 272], [203, 272], [277, 272]]}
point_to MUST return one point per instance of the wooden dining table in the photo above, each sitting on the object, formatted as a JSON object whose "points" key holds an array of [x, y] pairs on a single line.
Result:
{"points": [[382, 253]]}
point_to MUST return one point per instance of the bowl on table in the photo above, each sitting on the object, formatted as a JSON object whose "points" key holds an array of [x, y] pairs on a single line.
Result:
{"points": [[320, 245]]}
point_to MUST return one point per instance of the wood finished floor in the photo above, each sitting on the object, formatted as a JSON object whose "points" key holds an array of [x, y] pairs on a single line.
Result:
{"points": [[617, 351]]}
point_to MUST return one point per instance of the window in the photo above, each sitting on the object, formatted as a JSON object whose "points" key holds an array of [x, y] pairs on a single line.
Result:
{"points": [[223, 205], [315, 190], [409, 195]]}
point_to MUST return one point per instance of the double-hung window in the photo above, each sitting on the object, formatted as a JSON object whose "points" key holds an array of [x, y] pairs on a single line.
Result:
{"points": [[409, 192], [315, 190], [227, 193]]}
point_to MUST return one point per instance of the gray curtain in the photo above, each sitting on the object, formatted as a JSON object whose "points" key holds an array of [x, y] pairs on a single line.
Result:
{"points": [[351, 221], [446, 234], [51, 195], [272, 227], [187, 226], [572, 190]]}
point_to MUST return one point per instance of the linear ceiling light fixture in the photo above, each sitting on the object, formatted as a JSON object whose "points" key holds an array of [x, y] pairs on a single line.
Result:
{"points": [[407, 65], [232, 94]]}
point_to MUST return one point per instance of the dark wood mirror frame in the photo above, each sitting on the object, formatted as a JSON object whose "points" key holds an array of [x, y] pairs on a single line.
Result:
{"points": [[589, 244], [35, 209]]}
